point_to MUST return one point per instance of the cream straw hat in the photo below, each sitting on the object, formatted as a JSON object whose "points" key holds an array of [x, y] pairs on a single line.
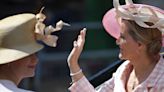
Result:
{"points": [[17, 38]]}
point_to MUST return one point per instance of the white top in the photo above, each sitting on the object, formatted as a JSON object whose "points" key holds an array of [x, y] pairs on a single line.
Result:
{"points": [[9, 86]]}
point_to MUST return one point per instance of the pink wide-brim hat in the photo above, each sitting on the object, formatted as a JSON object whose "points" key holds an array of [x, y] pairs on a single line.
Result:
{"points": [[112, 26]]}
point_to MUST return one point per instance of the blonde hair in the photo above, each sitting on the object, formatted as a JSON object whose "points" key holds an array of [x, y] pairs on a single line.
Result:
{"points": [[151, 37]]}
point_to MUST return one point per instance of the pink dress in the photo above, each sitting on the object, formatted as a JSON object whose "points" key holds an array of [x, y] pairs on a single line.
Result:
{"points": [[154, 82]]}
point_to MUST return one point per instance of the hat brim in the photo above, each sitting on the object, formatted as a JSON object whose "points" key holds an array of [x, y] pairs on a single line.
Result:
{"points": [[112, 26], [8, 55]]}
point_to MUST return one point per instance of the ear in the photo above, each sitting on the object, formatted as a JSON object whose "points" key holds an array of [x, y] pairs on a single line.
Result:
{"points": [[139, 43], [141, 46]]}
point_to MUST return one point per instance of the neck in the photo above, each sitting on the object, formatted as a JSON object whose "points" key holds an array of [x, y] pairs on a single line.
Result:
{"points": [[143, 66], [8, 74]]}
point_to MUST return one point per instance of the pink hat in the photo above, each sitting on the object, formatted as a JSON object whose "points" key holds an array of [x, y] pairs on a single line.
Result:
{"points": [[139, 13]]}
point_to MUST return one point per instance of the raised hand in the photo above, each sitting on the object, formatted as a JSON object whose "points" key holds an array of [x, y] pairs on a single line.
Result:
{"points": [[76, 72], [77, 47]]}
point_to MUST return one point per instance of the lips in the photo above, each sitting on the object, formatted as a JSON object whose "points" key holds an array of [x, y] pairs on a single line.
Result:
{"points": [[31, 66], [121, 50]]}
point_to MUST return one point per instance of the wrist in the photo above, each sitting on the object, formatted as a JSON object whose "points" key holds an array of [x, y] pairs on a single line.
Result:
{"points": [[76, 73], [75, 76]]}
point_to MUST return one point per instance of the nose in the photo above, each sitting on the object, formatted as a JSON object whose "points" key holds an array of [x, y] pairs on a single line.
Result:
{"points": [[118, 41], [34, 59]]}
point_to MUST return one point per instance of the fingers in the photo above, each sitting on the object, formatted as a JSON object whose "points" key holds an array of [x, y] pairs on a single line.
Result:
{"points": [[83, 33], [75, 44], [81, 38], [77, 47]]}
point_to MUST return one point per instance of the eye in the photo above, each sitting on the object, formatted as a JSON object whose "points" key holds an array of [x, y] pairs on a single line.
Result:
{"points": [[122, 37]]}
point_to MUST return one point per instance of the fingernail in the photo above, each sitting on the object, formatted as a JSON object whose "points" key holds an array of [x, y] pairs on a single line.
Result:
{"points": [[75, 44], [84, 29]]}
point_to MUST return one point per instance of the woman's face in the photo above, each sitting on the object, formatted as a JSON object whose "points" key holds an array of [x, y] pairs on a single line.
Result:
{"points": [[128, 46], [25, 67]]}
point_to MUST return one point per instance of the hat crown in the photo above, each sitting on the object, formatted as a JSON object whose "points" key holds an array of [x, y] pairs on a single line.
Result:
{"points": [[141, 13], [17, 37], [17, 30]]}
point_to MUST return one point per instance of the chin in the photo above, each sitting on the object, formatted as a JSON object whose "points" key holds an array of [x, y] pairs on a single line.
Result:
{"points": [[121, 56], [30, 75]]}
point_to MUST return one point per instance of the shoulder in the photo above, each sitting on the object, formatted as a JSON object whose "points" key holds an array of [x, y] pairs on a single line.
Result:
{"points": [[9, 86], [23, 90], [159, 71], [124, 66], [16, 89]]}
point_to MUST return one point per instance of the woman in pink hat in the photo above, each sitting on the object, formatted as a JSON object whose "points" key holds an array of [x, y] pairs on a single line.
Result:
{"points": [[138, 31]]}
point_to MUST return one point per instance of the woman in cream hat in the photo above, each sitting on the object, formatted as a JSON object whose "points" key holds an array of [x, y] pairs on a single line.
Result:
{"points": [[18, 48], [138, 29]]}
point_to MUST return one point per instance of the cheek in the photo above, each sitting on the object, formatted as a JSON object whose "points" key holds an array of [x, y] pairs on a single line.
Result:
{"points": [[128, 47], [132, 48], [123, 43], [24, 65], [19, 69]]}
